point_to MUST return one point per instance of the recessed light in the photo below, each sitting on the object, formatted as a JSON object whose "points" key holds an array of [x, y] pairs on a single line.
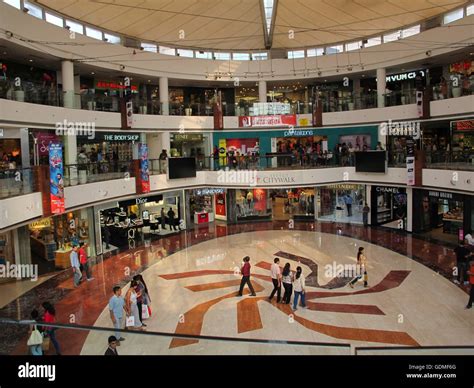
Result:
{"points": [[149, 80], [30, 60], [92, 73]]}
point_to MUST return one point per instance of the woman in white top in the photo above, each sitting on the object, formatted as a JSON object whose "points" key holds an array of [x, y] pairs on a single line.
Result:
{"points": [[131, 306], [287, 280], [299, 286]]}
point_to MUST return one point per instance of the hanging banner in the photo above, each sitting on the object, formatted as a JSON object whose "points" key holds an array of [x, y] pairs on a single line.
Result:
{"points": [[56, 172], [267, 121], [222, 152], [410, 147], [144, 168]]}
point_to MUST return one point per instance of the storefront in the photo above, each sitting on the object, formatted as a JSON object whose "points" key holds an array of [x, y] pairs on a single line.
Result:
{"points": [[340, 203], [52, 238], [442, 215], [462, 136], [191, 145], [297, 204], [108, 146], [245, 205], [389, 207], [104, 95], [10, 154], [206, 205], [123, 224], [335, 96]]}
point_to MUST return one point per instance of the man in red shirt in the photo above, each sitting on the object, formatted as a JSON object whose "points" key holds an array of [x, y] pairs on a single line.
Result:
{"points": [[245, 270], [471, 281], [83, 261]]}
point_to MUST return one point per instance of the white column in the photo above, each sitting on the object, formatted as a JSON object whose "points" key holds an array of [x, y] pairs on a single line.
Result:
{"points": [[409, 209], [77, 91], [164, 96], [381, 86], [67, 75], [262, 91]]}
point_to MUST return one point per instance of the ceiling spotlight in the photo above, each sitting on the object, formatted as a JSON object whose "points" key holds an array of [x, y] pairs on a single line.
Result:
{"points": [[320, 73], [122, 67], [9, 34], [428, 53], [92, 73], [30, 60]]}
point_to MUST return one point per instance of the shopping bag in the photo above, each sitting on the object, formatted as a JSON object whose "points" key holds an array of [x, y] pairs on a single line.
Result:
{"points": [[36, 338], [145, 314], [45, 344], [130, 321], [149, 311]]}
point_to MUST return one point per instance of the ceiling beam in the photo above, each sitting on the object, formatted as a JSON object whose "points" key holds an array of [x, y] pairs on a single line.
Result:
{"points": [[268, 30]]}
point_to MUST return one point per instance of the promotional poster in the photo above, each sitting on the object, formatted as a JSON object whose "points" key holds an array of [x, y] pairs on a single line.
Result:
{"points": [[56, 172], [144, 169]]}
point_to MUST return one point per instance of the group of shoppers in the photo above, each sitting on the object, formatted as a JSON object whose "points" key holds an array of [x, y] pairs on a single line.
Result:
{"points": [[80, 263], [291, 282]]}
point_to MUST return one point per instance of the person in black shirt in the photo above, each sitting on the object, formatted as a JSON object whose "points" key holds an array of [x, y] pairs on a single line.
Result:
{"points": [[112, 349], [171, 219], [462, 258]]}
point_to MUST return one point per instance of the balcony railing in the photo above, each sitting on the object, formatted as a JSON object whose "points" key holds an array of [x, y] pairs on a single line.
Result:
{"points": [[40, 93], [79, 174], [450, 160], [16, 182]]}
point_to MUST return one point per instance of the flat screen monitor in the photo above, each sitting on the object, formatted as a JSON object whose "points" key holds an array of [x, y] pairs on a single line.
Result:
{"points": [[371, 161], [179, 168]]}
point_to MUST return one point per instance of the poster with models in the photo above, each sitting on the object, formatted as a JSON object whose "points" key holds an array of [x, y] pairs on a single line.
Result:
{"points": [[359, 142], [56, 171], [243, 146], [144, 168]]}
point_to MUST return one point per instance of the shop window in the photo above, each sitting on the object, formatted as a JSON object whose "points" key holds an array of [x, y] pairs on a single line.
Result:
{"points": [[373, 41], [203, 54], [453, 16], [316, 52], [33, 10], [152, 48], [13, 3], [112, 38], [222, 56], [354, 46], [166, 50], [53, 19], [410, 31], [470, 10], [185, 53], [241, 56], [392, 37], [93, 33], [335, 49], [259, 56], [295, 54], [76, 27]]}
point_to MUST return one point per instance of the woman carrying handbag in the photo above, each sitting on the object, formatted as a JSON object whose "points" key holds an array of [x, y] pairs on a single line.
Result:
{"points": [[35, 337]]}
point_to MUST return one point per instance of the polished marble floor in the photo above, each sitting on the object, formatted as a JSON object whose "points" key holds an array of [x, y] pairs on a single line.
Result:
{"points": [[191, 276]]}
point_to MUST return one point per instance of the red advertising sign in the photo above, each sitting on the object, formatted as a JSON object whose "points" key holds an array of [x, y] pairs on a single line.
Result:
{"points": [[44, 139], [220, 204], [464, 125], [114, 85], [266, 121]]}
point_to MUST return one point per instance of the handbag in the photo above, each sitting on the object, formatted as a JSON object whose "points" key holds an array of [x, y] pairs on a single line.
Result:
{"points": [[36, 338], [149, 311], [45, 344], [130, 322], [145, 314]]}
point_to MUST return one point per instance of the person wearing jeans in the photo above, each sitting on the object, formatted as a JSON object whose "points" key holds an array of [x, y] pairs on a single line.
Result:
{"points": [[50, 317], [116, 306], [245, 270], [471, 282], [299, 286], [276, 280], [287, 280], [76, 267]]}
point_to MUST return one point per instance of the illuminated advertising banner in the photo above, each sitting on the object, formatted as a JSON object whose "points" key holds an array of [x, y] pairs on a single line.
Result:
{"points": [[220, 204], [144, 169], [266, 121], [56, 171]]}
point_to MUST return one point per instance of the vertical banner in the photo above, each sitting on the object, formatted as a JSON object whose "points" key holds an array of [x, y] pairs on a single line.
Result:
{"points": [[222, 152], [410, 162], [220, 204], [317, 113], [144, 168], [126, 106], [56, 172], [218, 115]]}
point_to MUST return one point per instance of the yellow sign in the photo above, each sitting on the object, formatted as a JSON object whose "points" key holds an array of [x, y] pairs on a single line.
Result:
{"points": [[222, 151], [303, 122], [40, 224]]}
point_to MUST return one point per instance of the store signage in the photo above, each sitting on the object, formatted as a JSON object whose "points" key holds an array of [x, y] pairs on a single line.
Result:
{"points": [[401, 128], [440, 194], [410, 160], [56, 172], [220, 204], [209, 191], [276, 178], [118, 137], [404, 76], [267, 121], [298, 133], [144, 168], [141, 201], [394, 190], [114, 86], [188, 137], [40, 224], [129, 113], [463, 125], [341, 187], [43, 140]]}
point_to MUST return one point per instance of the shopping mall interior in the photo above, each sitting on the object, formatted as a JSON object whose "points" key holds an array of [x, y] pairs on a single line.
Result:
{"points": [[264, 177]]}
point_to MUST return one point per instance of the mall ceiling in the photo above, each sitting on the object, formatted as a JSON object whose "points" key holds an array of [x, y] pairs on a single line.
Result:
{"points": [[247, 24]]}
